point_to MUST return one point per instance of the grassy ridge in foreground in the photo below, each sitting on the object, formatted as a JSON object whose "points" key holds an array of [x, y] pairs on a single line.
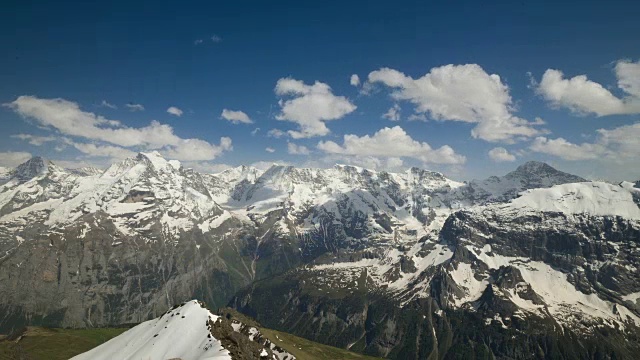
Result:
{"points": [[304, 349], [53, 344], [60, 344], [301, 348]]}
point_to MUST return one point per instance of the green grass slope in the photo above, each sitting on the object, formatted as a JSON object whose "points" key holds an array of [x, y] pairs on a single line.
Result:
{"points": [[37, 343]]}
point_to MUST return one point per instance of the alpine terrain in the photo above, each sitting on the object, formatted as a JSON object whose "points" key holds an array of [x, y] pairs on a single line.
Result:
{"points": [[537, 263]]}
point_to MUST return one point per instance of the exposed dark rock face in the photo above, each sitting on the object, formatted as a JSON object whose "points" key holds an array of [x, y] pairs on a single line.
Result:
{"points": [[375, 324], [597, 255], [389, 264]]}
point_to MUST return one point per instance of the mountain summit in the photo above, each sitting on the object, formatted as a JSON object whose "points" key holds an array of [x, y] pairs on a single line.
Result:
{"points": [[539, 174], [36, 166]]}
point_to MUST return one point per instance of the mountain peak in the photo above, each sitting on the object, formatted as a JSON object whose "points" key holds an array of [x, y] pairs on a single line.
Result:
{"points": [[427, 174], [537, 170], [535, 166], [349, 168], [158, 161], [33, 167]]}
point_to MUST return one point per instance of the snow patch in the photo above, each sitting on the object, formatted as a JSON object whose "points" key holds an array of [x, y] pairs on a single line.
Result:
{"points": [[180, 333]]}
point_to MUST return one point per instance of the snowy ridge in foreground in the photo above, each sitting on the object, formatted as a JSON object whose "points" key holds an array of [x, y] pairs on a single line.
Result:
{"points": [[188, 332], [182, 332]]}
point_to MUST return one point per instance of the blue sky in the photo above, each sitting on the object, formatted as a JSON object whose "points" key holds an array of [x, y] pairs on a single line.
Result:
{"points": [[71, 69]]}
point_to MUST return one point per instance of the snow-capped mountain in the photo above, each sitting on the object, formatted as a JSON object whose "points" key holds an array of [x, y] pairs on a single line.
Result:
{"points": [[188, 331], [336, 246], [553, 263]]}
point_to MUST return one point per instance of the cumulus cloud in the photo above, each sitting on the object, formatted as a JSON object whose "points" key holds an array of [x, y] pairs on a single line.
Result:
{"points": [[460, 93], [134, 107], [276, 133], [34, 140], [414, 117], [216, 38], [501, 154], [583, 96], [13, 158], [67, 118], [198, 42], [393, 113], [628, 74], [110, 151], [392, 142], [355, 80], [270, 150], [564, 149], [255, 131], [310, 106], [106, 104], [618, 144], [294, 149], [174, 111], [235, 117], [196, 149]]}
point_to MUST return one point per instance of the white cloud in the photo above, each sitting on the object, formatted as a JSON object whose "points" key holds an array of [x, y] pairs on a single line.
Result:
{"points": [[13, 159], [216, 38], [564, 149], [235, 117], [392, 142], [294, 149], [67, 118], [420, 117], [393, 113], [628, 74], [106, 104], [501, 154], [255, 131], [355, 80], [198, 42], [196, 149], [619, 144], [276, 133], [460, 93], [310, 106], [113, 152], [270, 150], [35, 140], [174, 111], [134, 107], [583, 96]]}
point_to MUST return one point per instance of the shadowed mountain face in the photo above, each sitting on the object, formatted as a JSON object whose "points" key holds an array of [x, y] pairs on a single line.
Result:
{"points": [[392, 264]]}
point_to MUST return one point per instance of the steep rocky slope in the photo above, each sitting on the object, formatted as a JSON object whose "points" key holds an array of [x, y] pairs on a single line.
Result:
{"points": [[551, 274], [90, 248], [388, 263]]}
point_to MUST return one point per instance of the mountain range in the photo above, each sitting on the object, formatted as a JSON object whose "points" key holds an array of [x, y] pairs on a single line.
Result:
{"points": [[537, 263]]}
